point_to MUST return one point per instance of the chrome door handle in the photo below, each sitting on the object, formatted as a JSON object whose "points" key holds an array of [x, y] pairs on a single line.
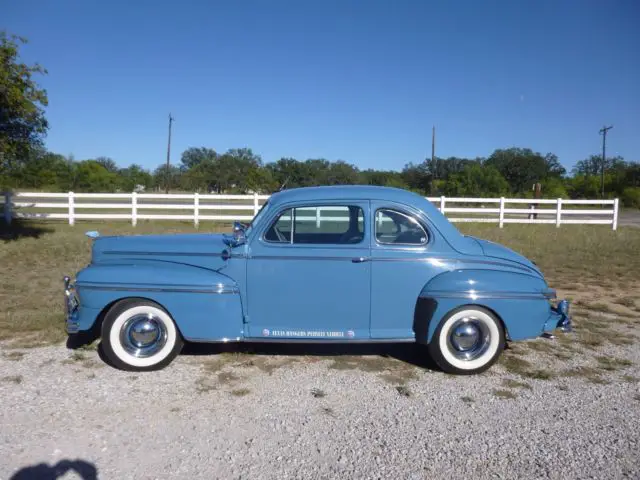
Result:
{"points": [[359, 260]]}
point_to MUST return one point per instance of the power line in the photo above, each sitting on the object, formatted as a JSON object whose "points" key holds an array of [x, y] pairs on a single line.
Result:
{"points": [[603, 132]]}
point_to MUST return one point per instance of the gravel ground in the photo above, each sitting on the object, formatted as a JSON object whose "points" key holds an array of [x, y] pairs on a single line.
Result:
{"points": [[322, 416]]}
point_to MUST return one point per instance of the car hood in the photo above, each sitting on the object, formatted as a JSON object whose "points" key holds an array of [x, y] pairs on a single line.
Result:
{"points": [[495, 250], [208, 250]]}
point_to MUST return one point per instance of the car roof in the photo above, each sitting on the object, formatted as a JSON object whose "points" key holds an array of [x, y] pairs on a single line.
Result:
{"points": [[370, 192], [347, 192]]}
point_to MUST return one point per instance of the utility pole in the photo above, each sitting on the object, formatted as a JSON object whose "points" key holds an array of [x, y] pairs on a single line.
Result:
{"points": [[166, 185], [434, 170], [603, 132]]}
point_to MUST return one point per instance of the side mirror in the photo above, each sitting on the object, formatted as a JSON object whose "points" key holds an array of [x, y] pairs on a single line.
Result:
{"points": [[238, 233]]}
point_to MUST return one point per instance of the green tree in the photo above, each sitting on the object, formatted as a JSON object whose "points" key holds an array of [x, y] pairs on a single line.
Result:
{"points": [[163, 177], [521, 167], [22, 121], [129, 178], [108, 163], [476, 180], [387, 178], [91, 176], [192, 157], [417, 177]]}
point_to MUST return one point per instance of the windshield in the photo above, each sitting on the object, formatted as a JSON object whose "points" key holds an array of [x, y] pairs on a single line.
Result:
{"points": [[257, 218]]}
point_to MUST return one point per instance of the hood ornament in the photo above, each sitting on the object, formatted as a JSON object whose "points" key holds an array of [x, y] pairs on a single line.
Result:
{"points": [[92, 234]]}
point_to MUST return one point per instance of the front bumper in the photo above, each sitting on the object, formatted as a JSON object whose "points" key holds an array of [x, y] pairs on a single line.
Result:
{"points": [[71, 304]]}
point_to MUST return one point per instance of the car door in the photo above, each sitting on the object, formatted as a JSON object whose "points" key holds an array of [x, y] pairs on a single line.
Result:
{"points": [[309, 275], [403, 259]]}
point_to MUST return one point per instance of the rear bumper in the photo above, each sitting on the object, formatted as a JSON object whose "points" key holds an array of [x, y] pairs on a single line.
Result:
{"points": [[559, 318], [71, 307]]}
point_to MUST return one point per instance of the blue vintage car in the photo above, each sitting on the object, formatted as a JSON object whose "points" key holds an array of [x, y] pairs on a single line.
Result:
{"points": [[323, 264]]}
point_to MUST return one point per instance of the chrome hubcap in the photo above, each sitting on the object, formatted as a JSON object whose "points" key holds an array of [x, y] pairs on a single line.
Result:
{"points": [[469, 339], [143, 335]]}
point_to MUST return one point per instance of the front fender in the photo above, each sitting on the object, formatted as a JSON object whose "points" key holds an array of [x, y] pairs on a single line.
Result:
{"points": [[205, 304], [521, 301]]}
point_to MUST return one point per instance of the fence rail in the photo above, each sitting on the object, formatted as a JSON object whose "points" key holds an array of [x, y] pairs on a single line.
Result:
{"points": [[196, 207]]}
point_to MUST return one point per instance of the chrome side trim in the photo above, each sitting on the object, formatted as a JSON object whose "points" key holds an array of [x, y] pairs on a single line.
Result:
{"points": [[214, 340], [475, 295], [325, 341], [449, 262], [346, 258], [177, 254], [219, 289]]}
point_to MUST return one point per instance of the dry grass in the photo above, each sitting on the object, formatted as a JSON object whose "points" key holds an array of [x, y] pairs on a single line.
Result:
{"points": [[393, 371], [591, 374], [612, 363], [17, 379], [240, 392], [35, 256], [510, 383], [13, 355], [504, 394], [403, 391], [317, 393]]}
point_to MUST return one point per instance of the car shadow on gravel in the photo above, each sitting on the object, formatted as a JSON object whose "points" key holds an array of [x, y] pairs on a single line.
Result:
{"points": [[410, 353], [42, 471]]}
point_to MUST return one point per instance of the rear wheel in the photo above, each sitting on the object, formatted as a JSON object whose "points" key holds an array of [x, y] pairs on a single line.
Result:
{"points": [[139, 335], [468, 340]]}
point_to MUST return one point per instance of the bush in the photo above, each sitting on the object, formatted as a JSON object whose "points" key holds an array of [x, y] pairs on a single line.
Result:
{"points": [[631, 197]]}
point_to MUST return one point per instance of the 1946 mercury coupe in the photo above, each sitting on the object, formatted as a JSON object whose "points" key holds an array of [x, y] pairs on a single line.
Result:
{"points": [[321, 264]]}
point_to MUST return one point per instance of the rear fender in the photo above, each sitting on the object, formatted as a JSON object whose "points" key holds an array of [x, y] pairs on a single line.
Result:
{"points": [[520, 301]]}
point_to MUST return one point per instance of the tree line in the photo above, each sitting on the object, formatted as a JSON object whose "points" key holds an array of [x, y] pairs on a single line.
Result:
{"points": [[26, 164], [506, 172]]}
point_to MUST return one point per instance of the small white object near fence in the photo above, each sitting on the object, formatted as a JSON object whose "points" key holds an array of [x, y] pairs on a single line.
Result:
{"points": [[196, 207]]}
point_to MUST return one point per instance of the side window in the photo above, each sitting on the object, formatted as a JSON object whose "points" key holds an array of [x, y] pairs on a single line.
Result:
{"points": [[318, 224], [396, 228]]}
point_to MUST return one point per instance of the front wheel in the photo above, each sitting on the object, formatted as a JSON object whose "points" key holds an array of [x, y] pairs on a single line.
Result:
{"points": [[139, 335], [468, 340]]}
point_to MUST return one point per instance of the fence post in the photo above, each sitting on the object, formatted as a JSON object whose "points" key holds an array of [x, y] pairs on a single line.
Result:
{"points": [[317, 217], [559, 212], [256, 207], [442, 200], [72, 219], [7, 208], [134, 209], [501, 214], [196, 209], [615, 214]]}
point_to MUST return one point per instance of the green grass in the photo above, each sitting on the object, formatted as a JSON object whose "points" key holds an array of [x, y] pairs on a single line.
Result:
{"points": [[36, 255]]}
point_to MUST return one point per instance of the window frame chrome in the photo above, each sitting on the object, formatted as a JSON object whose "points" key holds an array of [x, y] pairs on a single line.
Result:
{"points": [[274, 219], [406, 215]]}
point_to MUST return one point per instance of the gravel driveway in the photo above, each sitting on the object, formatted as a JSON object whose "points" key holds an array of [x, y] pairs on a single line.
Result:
{"points": [[322, 416]]}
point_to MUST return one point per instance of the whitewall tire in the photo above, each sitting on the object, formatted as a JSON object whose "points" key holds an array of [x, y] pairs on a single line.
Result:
{"points": [[139, 335], [468, 340]]}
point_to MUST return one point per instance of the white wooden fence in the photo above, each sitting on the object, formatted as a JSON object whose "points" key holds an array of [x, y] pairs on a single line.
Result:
{"points": [[196, 208]]}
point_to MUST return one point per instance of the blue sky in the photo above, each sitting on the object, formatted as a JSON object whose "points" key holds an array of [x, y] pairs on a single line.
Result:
{"points": [[361, 81]]}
